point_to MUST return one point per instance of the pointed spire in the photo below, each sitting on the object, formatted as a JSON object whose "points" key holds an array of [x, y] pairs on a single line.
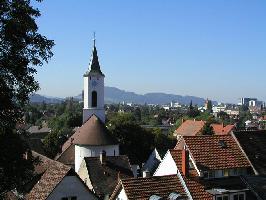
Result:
{"points": [[94, 66]]}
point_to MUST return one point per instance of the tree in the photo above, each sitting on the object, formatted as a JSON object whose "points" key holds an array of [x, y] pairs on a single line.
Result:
{"points": [[207, 129], [22, 49], [209, 106], [15, 169]]}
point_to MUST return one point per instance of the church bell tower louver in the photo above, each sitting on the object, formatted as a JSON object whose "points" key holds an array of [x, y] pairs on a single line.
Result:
{"points": [[94, 89]]}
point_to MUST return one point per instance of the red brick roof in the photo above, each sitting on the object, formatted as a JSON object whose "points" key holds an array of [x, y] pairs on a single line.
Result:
{"points": [[143, 188], [209, 153], [190, 128], [220, 129]]}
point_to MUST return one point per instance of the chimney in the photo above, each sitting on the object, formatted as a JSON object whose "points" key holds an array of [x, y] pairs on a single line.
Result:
{"points": [[185, 162], [103, 157], [145, 174]]}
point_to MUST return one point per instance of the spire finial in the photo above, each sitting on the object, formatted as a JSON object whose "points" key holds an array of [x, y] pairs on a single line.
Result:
{"points": [[94, 38]]}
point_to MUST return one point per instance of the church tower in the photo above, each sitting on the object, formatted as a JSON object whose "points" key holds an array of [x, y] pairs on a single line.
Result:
{"points": [[94, 89]]}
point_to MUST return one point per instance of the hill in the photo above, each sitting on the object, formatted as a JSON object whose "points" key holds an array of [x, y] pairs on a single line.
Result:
{"points": [[115, 95]]}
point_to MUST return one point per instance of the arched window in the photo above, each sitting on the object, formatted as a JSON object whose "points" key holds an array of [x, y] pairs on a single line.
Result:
{"points": [[94, 99]]}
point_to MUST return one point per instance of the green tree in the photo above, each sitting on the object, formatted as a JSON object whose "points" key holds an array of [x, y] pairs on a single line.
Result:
{"points": [[207, 129], [15, 169], [22, 50]]}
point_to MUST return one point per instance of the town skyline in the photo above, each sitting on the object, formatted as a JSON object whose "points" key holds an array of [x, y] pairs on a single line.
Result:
{"points": [[209, 50]]}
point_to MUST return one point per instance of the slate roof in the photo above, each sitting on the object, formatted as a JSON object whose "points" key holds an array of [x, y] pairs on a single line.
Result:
{"points": [[94, 66], [216, 152], [198, 188], [190, 128], [104, 177], [92, 132], [50, 179], [253, 144], [143, 188], [257, 184], [68, 156]]}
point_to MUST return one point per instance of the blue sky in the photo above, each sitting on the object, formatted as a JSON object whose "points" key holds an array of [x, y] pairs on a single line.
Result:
{"points": [[206, 48]]}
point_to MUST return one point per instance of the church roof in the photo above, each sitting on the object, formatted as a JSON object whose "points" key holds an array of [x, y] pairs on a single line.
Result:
{"points": [[92, 132], [94, 66]]}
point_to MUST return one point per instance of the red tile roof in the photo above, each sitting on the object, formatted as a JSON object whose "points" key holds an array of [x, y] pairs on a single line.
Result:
{"points": [[209, 153], [143, 188], [220, 129], [190, 128], [50, 179], [177, 156], [196, 189]]}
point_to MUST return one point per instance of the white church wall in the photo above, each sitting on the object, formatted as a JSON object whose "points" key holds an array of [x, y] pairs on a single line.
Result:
{"points": [[93, 151]]}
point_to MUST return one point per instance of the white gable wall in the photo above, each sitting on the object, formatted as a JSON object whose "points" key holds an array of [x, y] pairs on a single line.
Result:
{"points": [[71, 186], [122, 195], [167, 166]]}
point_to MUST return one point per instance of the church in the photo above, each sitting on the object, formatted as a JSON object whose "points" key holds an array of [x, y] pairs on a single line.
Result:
{"points": [[92, 139]]}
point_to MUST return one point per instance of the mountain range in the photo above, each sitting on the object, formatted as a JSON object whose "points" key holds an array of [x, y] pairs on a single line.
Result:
{"points": [[115, 95]]}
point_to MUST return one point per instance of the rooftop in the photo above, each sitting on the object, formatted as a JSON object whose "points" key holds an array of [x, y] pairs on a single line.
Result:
{"points": [[216, 152], [144, 188], [253, 144], [104, 177]]}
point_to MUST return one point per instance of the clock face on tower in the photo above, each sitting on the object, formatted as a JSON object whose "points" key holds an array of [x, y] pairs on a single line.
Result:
{"points": [[94, 83]]}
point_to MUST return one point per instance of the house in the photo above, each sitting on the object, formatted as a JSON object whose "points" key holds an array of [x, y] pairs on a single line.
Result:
{"points": [[60, 182], [221, 129], [189, 128], [101, 174], [193, 127], [160, 187], [209, 167], [153, 161], [252, 144]]}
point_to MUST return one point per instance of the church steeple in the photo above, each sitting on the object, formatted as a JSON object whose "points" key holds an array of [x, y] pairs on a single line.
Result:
{"points": [[94, 66], [94, 89]]}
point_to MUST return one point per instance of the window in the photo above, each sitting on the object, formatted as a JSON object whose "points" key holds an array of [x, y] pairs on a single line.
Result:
{"points": [[222, 197], [94, 99], [239, 196], [69, 198], [226, 172]]}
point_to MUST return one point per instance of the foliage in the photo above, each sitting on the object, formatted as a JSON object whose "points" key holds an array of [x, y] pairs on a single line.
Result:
{"points": [[15, 169], [135, 141], [22, 49], [54, 141], [207, 129]]}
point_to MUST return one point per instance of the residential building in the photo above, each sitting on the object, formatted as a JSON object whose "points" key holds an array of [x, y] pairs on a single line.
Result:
{"points": [[60, 182], [209, 168], [252, 144], [101, 174], [149, 188]]}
